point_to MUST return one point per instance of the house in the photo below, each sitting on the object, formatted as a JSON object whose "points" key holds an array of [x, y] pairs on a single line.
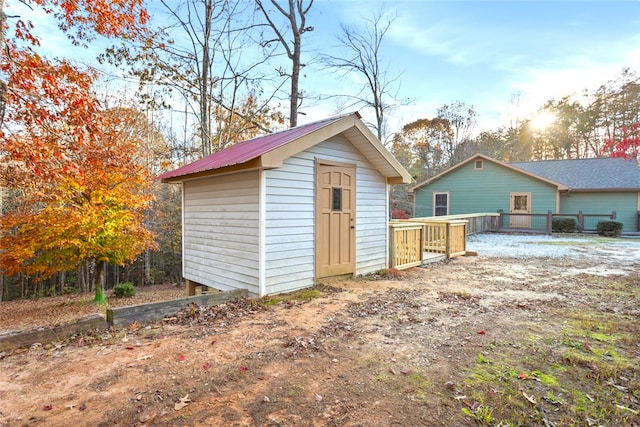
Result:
{"points": [[275, 214], [482, 184]]}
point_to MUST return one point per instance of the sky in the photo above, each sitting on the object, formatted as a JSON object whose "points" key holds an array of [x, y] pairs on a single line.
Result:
{"points": [[488, 53], [504, 58]]}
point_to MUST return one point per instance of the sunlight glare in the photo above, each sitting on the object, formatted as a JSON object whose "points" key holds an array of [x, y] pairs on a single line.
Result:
{"points": [[542, 120]]}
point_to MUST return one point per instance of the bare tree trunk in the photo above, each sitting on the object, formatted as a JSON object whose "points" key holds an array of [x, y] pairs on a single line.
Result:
{"points": [[296, 11], [62, 277], [205, 123], [363, 56], [99, 281], [82, 282], [147, 267]]}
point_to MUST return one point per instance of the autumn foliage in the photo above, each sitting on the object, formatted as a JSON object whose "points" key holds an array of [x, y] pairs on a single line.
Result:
{"points": [[627, 147], [83, 189]]}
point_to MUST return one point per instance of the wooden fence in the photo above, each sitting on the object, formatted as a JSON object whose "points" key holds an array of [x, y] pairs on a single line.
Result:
{"points": [[411, 240], [543, 223]]}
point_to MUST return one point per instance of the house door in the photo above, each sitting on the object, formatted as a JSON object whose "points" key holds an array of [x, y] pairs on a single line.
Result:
{"points": [[335, 220], [520, 203]]}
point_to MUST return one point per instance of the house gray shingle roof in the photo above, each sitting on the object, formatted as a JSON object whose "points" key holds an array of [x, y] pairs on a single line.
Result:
{"points": [[587, 174]]}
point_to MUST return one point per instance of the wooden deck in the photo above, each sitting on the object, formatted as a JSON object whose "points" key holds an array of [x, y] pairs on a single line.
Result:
{"points": [[419, 241]]}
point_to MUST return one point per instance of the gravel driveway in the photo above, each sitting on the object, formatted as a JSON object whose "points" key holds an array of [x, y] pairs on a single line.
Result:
{"points": [[536, 245]]}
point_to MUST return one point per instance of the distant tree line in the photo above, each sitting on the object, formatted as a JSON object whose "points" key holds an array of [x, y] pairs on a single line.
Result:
{"points": [[603, 123]]}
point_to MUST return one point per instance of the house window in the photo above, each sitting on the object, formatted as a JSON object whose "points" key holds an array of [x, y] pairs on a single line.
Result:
{"points": [[521, 202], [478, 165], [336, 199], [440, 204]]}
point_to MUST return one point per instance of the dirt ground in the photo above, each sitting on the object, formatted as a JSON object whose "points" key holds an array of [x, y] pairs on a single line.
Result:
{"points": [[399, 349]]}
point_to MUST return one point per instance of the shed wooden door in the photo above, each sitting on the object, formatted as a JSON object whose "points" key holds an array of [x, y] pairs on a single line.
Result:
{"points": [[335, 219], [520, 203]]}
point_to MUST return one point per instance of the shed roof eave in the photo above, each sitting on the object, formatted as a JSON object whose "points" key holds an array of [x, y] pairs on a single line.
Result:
{"points": [[240, 167], [349, 126], [399, 174]]}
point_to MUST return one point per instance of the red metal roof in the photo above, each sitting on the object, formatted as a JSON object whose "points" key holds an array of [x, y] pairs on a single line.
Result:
{"points": [[248, 150]]}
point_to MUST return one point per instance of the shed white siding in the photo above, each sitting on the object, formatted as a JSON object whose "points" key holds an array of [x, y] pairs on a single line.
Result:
{"points": [[290, 216], [221, 231]]}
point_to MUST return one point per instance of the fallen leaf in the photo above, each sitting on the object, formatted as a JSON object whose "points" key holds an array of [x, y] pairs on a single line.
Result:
{"points": [[184, 401], [392, 371], [318, 397], [529, 398]]}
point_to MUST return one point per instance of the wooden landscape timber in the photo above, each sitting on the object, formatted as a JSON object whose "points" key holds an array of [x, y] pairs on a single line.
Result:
{"points": [[157, 310], [16, 339], [116, 317]]}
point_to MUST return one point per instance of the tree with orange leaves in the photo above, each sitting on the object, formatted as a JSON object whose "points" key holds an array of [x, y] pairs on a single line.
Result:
{"points": [[83, 192]]}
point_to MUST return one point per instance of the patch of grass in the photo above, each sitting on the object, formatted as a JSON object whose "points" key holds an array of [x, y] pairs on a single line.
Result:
{"points": [[482, 359], [587, 370], [421, 387], [546, 379], [482, 414], [296, 390], [302, 295]]}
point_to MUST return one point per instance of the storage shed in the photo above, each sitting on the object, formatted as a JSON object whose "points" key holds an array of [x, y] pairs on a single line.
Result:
{"points": [[275, 214]]}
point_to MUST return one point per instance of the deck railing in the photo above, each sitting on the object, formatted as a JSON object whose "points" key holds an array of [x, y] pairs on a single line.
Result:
{"points": [[405, 244], [410, 240], [476, 222]]}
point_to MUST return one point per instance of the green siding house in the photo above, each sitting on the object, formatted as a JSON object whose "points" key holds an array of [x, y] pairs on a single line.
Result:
{"points": [[482, 184]]}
